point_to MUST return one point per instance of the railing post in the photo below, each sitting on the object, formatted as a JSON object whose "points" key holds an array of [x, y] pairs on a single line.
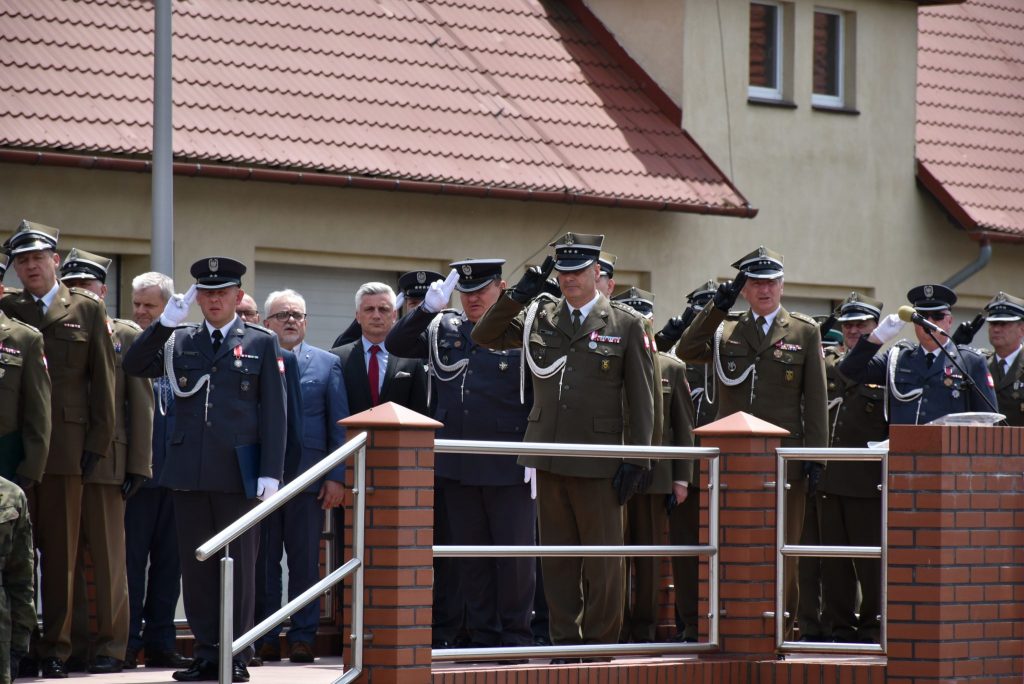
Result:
{"points": [[227, 616], [747, 526], [399, 535]]}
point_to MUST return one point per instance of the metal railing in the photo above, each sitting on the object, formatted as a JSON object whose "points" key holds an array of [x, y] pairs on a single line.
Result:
{"points": [[356, 448], [458, 446], [784, 550]]}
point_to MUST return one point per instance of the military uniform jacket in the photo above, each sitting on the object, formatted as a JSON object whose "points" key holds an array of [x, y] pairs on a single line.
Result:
{"points": [[857, 416], [677, 427], [786, 381], [480, 401], [17, 556], [24, 395], [944, 389], [702, 390], [608, 365], [80, 356], [1010, 390], [246, 402]]}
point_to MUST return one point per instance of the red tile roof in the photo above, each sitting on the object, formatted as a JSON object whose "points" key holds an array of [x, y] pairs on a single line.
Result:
{"points": [[970, 113], [506, 97]]}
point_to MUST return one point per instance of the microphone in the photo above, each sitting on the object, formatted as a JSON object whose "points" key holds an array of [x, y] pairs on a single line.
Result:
{"points": [[907, 313]]}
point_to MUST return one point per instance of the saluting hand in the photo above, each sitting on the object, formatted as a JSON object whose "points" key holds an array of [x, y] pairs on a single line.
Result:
{"points": [[177, 308], [728, 291], [889, 328], [532, 282], [439, 292]]}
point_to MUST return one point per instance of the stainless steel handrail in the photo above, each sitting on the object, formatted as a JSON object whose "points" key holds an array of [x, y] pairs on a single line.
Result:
{"points": [[229, 646], [784, 550], [459, 446]]}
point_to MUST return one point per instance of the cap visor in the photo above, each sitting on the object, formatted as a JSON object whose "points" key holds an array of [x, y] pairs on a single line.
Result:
{"points": [[569, 265]]}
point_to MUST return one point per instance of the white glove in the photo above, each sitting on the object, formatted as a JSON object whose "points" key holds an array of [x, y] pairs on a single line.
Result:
{"points": [[177, 307], [399, 301], [266, 487], [440, 292], [888, 329], [530, 475]]}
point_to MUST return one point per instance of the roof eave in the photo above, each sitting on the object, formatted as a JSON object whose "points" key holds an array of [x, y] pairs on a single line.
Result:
{"points": [[974, 230]]}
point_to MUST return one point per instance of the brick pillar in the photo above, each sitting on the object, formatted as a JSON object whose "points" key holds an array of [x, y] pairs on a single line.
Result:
{"points": [[956, 554], [747, 541], [399, 536]]}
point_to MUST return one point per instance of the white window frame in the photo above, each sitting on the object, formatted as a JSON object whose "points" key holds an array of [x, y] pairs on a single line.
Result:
{"points": [[839, 100], [776, 93]]}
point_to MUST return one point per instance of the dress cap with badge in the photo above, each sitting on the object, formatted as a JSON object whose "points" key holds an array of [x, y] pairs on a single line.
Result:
{"points": [[414, 284], [831, 337], [82, 265], [702, 294], [859, 307], [761, 264], [31, 237], [475, 274], [215, 273], [576, 251], [607, 261], [931, 298], [1005, 308], [641, 300]]}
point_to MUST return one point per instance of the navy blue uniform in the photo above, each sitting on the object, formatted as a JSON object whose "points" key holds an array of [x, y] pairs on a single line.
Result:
{"points": [[486, 499]]}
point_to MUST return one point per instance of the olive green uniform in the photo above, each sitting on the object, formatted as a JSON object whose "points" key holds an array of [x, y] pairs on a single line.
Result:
{"points": [[25, 396], [608, 365], [17, 572], [1010, 389]]}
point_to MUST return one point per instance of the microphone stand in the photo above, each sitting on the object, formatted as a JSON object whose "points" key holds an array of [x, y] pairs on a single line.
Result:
{"points": [[967, 376]]}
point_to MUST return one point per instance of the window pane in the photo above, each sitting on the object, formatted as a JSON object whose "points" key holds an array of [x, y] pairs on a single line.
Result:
{"points": [[826, 54], [763, 45]]}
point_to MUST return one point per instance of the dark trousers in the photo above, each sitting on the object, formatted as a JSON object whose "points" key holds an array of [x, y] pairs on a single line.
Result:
{"points": [[154, 573], [684, 530], [856, 521], [796, 503], [498, 592], [449, 610], [294, 528], [199, 516], [646, 523], [809, 571]]}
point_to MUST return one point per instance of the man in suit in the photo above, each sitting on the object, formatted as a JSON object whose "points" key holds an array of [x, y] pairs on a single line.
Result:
{"points": [[411, 288], [767, 362], [228, 442], [928, 383], [487, 499], [118, 477], [296, 527], [81, 365], [1005, 318], [151, 541], [589, 358]]}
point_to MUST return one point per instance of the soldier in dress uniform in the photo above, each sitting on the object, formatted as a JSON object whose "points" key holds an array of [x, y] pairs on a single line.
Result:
{"points": [[17, 575], [922, 382], [25, 395], [228, 444], [488, 498], [589, 358], [127, 466], [850, 501], [81, 364], [1005, 318], [767, 362]]}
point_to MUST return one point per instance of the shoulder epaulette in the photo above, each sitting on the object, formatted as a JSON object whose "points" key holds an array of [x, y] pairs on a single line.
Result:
{"points": [[87, 293], [257, 326], [545, 297], [625, 308], [803, 317], [129, 324], [977, 350], [23, 324]]}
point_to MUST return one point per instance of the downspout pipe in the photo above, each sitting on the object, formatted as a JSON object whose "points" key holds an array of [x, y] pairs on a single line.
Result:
{"points": [[984, 257], [162, 259]]}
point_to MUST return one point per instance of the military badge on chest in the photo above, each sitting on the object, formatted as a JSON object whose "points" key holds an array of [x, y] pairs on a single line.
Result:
{"points": [[605, 365]]}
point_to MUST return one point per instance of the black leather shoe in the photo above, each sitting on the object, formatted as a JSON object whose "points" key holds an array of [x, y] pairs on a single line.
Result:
{"points": [[53, 668], [158, 658], [238, 671], [201, 670], [106, 665], [131, 659]]}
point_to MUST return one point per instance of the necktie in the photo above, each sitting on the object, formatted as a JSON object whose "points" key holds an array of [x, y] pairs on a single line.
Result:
{"points": [[216, 337], [373, 374], [929, 359], [41, 305], [576, 320], [760, 327], [1006, 366]]}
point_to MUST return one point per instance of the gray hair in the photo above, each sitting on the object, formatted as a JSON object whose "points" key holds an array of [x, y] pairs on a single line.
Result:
{"points": [[374, 289], [154, 279], [280, 294]]}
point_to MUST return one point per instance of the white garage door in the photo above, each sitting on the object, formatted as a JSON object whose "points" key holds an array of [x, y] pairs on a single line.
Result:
{"points": [[329, 294]]}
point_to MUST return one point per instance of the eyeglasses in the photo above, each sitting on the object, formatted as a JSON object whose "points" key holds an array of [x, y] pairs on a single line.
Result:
{"points": [[247, 312], [935, 315], [283, 316]]}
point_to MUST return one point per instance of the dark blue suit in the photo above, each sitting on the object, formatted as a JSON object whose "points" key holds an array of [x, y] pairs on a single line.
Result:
{"points": [[486, 499], [296, 527], [945, 390]]}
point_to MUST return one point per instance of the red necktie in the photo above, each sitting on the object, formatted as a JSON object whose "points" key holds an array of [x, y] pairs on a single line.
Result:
{"points": [[373, 372]]}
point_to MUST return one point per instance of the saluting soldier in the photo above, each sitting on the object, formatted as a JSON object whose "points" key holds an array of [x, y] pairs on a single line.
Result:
{"points": [[227, 447], [127, 466], [1005, 318], [589, 358], [25, 394], [767, 362], [850, 497], [922, 381], [81, 365], [488, 498]]}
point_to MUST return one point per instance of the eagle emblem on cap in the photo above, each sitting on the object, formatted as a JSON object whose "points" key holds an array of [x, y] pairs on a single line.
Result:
{"points": [[929, 290], [570, 239], [467, 270], [421, 277], [1001, 297], [214, 264]]}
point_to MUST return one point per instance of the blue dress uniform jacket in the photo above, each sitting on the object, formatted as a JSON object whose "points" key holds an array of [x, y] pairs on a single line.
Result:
{"points": [[944, 389], [482, 402], [324, 403], [245, 406]]}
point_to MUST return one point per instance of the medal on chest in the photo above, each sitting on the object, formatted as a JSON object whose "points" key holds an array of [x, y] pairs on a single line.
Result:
{"points": [[238, 356]]}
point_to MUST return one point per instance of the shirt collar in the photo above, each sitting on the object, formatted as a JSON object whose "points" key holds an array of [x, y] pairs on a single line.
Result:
{"points": [[768, 318], [367, 344], [586, 308], [49, 296], [224, 331], [1011, 358]]}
